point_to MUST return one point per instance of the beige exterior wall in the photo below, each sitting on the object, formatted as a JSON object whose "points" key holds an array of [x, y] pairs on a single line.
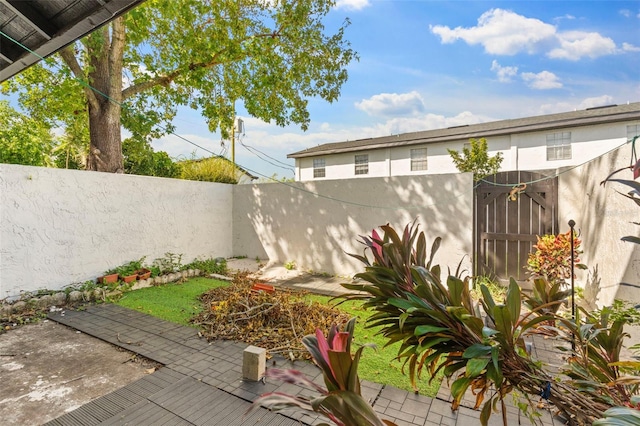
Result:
{"points": [[603, 216], [58, 226], [316, 223], [522, 151]]}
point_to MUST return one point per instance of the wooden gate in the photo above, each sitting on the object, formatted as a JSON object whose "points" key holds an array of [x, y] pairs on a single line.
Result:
{"points": [[508, 217]]}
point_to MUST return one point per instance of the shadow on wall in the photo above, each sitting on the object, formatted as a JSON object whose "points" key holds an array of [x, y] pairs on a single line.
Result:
{"points": [[317, 223], [603, 216]]}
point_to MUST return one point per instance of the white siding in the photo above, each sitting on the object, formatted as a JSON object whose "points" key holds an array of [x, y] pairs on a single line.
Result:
{"points": [[521, 151]]}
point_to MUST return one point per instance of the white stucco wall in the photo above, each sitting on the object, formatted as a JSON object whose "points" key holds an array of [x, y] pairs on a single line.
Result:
{"points": [[603, 216], [316, 223], [63, 226], [522, 151]]}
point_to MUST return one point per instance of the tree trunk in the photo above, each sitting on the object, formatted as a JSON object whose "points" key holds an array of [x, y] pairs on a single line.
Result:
{"points": [[105, 154], [104, 50]]}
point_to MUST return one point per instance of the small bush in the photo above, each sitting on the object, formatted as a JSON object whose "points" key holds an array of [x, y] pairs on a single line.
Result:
{"points": [[552, 258], [209, 266], [213, 169]]}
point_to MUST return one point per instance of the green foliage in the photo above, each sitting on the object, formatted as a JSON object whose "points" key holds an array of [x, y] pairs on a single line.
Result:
{"points": [[130, 268], [552, 258], [498, 291], [595, 367], [621, 311], [547, 297], [23, 140], [341, 401], [213, 169], [621, 416], [476, 159], [72, 148], [141, 159], [171, 262], [273, 58], [441, 329], [290, 265], [209, 266]]}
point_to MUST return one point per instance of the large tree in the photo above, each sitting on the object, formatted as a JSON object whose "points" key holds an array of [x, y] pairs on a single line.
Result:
{"points": [[206, 54]]}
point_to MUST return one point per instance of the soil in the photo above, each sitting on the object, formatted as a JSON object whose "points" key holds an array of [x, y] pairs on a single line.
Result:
{"points": [[47, 369]]}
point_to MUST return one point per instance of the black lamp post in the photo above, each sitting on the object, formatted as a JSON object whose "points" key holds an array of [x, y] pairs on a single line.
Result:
{"points": [[572, 224]]}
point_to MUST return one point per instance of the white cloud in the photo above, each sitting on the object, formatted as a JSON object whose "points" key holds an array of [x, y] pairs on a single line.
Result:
{"points": [[542, 81], [501, 32], [628, 47], [584, 104], [625, 12], [393, 104], [575, 45], [352, 4], [504, 73], [595, 102]]}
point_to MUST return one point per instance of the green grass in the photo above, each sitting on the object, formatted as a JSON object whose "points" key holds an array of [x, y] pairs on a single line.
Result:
{"points": [[379, 365], [179, 302], [171, 302]]}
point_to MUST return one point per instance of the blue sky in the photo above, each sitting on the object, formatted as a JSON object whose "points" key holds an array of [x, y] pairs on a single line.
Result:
{"points": [[433, 64]]}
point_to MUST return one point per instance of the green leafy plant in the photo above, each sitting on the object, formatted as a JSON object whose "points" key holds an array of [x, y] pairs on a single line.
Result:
{"points": [[547, 297], [171, 262], [552, 257], [441, 328], [475, 158], [621, 416], [595, 366], [341, 401], [130, 268], [290, 265], [209, 266]]}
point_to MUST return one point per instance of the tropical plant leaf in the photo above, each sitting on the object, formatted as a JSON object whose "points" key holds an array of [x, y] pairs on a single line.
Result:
{"points": [[477, 350], [351, 409], [475, 366]]}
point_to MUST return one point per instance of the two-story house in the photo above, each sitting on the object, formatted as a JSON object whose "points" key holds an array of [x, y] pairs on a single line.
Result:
{"points": [[532, 143]]}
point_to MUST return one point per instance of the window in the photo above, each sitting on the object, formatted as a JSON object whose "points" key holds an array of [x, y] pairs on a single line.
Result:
{"points": [[318, 168], [418, 159], [362, 164], [559, 146], [633, 131]]}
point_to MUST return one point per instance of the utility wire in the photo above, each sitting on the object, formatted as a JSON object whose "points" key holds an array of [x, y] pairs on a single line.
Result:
{"points": [[266, 155], [632, 140], [316, 194], [250, 149]]}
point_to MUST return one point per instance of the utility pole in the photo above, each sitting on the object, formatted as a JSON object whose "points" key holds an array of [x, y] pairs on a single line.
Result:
{"points": [[238, 127]]}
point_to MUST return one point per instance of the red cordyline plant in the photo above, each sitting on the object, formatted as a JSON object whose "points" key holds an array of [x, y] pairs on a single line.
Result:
{"points": [[341, 401], [552, 257]]}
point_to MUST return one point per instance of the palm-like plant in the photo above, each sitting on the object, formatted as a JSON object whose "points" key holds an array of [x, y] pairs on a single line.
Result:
{"points": [[341, 401], [441, 328]]}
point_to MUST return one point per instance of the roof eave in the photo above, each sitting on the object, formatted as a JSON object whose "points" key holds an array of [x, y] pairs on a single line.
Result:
{"points": [[417, 140], [101, 16]]}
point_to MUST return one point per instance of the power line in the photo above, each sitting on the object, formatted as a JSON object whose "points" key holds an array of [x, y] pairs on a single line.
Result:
{"points": [[250, 149], [316, 194], [632, 140]]}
